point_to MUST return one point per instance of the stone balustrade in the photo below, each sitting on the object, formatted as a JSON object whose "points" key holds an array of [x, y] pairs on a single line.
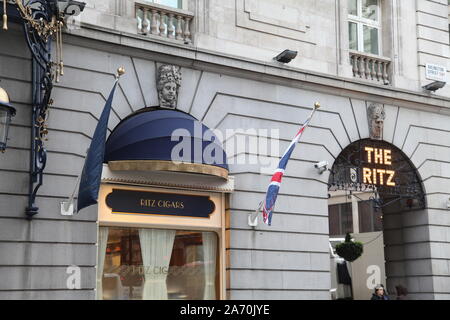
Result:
{"points": [[162, 21], [370, 67]]}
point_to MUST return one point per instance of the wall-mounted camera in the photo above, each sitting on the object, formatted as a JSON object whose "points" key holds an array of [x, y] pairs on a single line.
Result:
{"points": [[321, 166]]}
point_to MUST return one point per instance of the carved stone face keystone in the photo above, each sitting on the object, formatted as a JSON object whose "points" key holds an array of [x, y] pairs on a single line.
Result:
{"points": [[376, 116], [168, 82]]}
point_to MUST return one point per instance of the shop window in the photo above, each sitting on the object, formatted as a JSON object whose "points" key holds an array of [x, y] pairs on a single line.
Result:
{"points": [[364, 26], [157, 264]]}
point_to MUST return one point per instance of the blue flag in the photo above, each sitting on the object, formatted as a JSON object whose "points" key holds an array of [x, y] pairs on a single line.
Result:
{"points": [[92, 170]]}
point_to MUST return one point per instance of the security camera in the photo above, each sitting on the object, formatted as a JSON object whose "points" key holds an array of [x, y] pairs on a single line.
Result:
{"points": [[322, 166]]}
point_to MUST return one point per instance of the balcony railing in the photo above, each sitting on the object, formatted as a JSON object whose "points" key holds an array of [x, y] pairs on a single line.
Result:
{"points": [[370, 67], [165, 22]]}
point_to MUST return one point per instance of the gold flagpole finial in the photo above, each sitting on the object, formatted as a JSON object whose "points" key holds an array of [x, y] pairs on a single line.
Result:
{"points": [[316, 105], [120, 72]]}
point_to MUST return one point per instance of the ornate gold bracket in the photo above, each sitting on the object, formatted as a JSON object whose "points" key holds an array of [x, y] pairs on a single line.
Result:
{"points": [[46, 19], [45, 30]]}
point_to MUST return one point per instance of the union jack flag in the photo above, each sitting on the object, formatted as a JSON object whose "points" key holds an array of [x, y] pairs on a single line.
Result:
{"points": [[274, 186]]}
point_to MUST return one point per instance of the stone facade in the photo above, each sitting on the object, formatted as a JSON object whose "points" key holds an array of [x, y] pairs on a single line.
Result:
{"points": [[229, 81]]}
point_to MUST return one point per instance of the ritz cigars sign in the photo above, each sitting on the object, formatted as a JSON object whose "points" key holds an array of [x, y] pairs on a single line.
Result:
{"points": [[158, 203]]}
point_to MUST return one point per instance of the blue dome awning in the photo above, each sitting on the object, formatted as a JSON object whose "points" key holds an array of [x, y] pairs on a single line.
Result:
{"points": [[169, 137]]}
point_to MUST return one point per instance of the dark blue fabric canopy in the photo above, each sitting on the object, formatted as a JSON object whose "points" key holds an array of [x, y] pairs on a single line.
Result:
{"points": [[147, 135]]}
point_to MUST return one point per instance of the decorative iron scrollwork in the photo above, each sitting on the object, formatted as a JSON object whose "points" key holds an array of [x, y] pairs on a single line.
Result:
{"points": [[347, 173]]}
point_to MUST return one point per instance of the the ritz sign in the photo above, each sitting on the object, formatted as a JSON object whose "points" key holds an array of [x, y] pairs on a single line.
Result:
{"points": [[379, 175]]}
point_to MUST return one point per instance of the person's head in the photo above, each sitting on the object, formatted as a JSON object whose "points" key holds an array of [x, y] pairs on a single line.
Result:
{"points": [[379, 290]]}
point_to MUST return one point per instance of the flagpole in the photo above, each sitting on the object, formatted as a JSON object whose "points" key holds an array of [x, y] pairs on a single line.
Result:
{"points": [[253, 217], [67, 207]]}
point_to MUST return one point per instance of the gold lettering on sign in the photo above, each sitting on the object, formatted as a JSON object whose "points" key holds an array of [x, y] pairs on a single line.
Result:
{"points": [[378, 156], [161, 203], [391, 176], [369, 154], [171, 204], [367, 175], [378, 175], [148, 203], [381, 175], [387, 157]]}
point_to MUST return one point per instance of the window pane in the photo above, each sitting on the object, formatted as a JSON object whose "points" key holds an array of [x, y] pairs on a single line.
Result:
{"points": [[170, 3], [122, 273], [365, 212], [370, 9], [353, 7], [353, 36], [346, 218], [159, 264], [333, 220], [377, 220], [370, 40], [340, 219], [370, 220]]}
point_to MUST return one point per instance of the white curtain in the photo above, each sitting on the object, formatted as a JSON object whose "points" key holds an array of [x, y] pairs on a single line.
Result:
{"points": [[209, 257], [156, 249], [102, 241]]}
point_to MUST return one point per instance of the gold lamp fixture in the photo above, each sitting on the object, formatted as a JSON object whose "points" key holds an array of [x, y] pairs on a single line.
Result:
{"points": [[7, 111]]}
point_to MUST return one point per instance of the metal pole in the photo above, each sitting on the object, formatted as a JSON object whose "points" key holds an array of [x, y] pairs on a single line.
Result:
{"points": [[253, 218]]}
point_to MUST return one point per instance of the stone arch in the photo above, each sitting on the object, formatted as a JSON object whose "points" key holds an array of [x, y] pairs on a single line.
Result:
{"points": [[368, 165]]}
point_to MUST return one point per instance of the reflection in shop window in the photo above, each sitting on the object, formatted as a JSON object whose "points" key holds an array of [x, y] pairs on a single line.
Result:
{"points": [[156, 264]]}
